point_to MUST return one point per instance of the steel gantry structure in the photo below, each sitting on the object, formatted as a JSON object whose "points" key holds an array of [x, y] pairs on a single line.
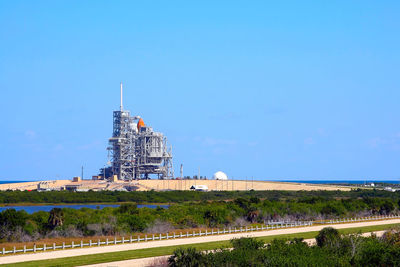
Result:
{"points": [[137, 151]]}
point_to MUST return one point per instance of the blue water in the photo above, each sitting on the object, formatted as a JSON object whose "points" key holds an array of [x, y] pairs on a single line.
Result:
{"points": [[341, 181], [32, 209], [13, 182]]}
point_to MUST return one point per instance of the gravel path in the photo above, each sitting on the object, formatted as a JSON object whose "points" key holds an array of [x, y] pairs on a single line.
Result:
{"points": [[178, 241]]}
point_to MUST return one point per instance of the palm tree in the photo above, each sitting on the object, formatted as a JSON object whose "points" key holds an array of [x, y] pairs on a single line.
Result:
{"points": [[328, 236], [56, 217], [253, 214], [186, 257]]}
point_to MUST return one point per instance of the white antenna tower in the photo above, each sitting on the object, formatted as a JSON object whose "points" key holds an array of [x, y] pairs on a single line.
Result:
{"points": [[121, 106]]}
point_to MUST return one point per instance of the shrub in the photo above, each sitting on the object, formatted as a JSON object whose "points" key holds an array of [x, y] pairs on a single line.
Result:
{"points": [[328, 236], [186, 257], [246, 244]]}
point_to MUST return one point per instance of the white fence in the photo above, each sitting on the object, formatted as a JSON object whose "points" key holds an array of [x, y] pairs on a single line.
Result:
{"points": [[359, 219], [154, 237]]}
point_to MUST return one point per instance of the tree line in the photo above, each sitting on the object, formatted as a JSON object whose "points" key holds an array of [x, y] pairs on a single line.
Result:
{"points": [[128, 218], [14, 197]]}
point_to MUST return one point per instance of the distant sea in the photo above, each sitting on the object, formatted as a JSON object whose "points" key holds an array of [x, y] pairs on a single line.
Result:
{"points": [[13, 182], [341, 181]]}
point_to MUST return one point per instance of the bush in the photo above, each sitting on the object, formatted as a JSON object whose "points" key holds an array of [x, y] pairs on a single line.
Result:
{"points": [[159, 226], [327, 237], [187, 257], [246, 244]]}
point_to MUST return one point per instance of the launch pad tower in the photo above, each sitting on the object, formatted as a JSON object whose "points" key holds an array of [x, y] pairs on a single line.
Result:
{"points": [[137, 152]]}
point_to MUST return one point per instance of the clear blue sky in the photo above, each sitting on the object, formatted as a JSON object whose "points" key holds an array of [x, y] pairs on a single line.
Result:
{"points": [[263, 89]]}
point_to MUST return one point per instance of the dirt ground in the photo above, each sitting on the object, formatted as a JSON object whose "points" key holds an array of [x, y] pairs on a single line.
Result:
{"points": [[218, 185], [232, 185], [32, 185]]}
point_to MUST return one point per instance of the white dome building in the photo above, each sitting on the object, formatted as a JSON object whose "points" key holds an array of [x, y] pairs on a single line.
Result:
{"points": [[220, 176]]}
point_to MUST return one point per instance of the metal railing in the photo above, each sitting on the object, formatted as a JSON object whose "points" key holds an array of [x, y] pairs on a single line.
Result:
{"points": [[154, 237]]}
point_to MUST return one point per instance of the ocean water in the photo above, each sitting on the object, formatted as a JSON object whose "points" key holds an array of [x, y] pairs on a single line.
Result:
{"points": [[341, 181], [32, 209], [13, 182]]}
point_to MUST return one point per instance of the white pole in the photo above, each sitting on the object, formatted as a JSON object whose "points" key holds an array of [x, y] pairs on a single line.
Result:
{"points": [[121, 106]]}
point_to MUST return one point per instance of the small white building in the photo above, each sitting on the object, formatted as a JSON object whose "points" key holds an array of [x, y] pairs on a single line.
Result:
{"points": [[202, 188], [390, 189], [220, 176]]}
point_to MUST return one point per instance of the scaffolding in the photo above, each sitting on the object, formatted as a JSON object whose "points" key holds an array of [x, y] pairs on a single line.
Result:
{"points": [[137, 152]]}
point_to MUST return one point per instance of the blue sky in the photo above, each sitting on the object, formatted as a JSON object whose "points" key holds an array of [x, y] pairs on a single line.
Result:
{"points": [[270, 90]]}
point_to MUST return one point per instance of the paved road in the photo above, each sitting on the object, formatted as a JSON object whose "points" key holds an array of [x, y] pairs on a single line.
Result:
{"points": [[143, 262], [178, 241]]}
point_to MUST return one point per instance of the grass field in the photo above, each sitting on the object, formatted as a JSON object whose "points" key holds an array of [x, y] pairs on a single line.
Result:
{"points": [[160, 251]]}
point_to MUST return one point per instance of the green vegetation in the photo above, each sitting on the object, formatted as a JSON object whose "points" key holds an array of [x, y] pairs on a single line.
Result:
{"points": [[128, 219], [327, 235], [332, 249], [14, 197], [160, 251]]}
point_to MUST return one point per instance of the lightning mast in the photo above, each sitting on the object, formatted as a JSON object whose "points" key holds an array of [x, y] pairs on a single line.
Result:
{"points": [[121, 106]]}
